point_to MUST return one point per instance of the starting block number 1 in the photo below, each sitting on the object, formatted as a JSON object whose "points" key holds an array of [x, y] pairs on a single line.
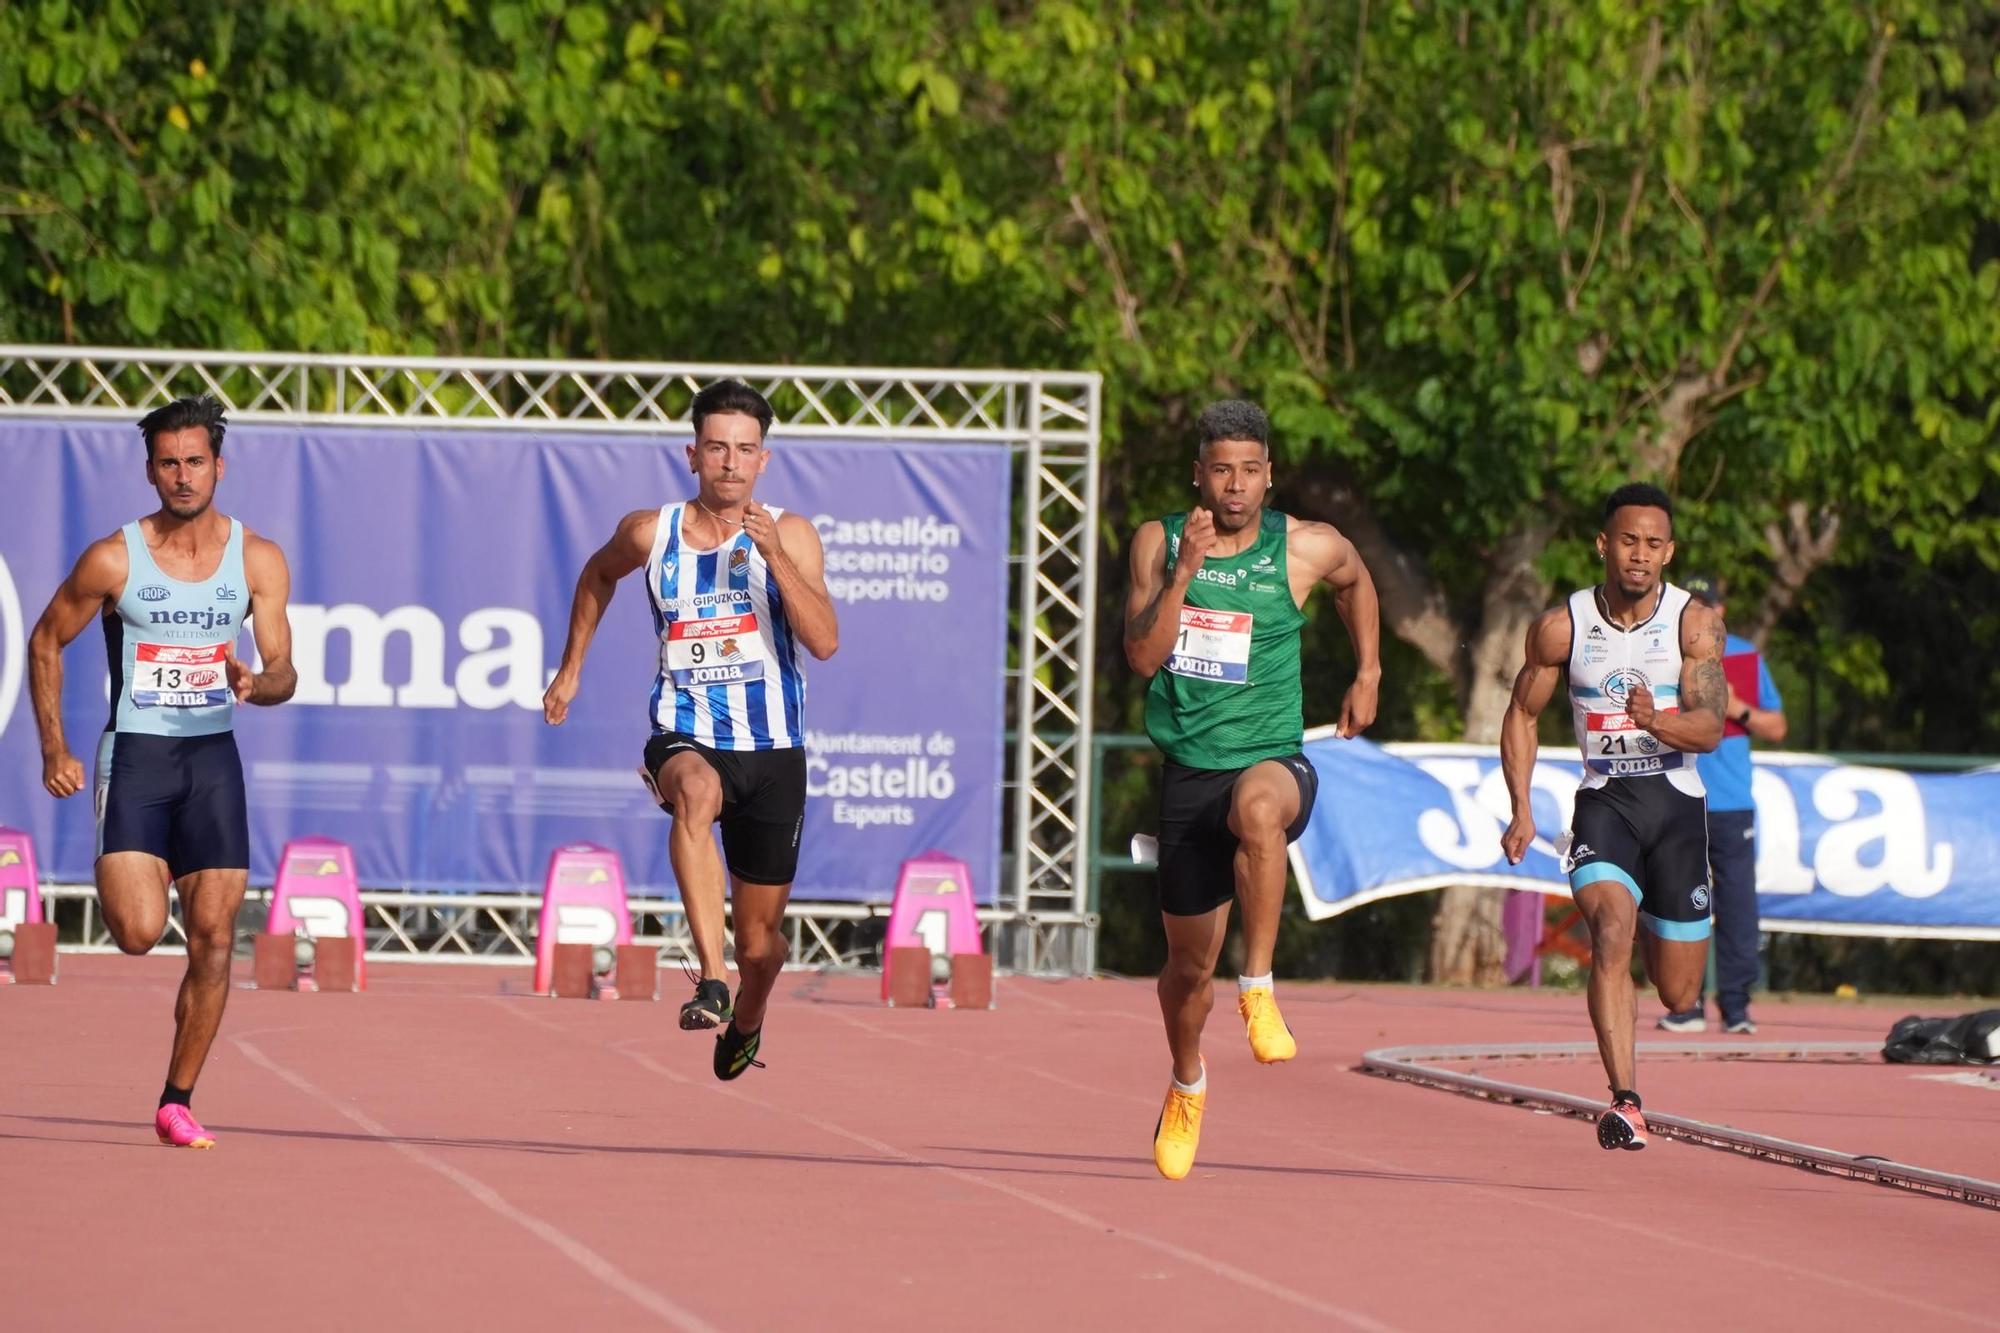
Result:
{"points": [[933, 930]]}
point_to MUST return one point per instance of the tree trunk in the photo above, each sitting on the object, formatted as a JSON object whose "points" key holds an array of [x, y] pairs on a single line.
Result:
{"points": [[1468, 944]]}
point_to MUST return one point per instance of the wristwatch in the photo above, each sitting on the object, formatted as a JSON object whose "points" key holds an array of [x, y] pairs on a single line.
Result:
{"points": [[1742, 719]]}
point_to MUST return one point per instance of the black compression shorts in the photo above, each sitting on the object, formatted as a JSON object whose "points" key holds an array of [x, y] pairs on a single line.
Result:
{"points": [[763, 804], [1197, 849], [1651, 837]]}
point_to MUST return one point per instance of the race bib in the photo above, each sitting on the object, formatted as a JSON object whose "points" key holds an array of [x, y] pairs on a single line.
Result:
{"points": [[1618, 747], [723, 650], [1213, 645], [169, 676]]}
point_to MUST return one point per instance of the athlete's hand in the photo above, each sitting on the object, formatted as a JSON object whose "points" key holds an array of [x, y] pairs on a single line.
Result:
{"points": [[1639, 705], [1197, 539], [1357, 709], [1514, 842], [555, 700], [62, 774], [242, 680], [763, 530]]}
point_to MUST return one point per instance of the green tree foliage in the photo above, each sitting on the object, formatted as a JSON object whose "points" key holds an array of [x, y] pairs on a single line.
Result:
{"points": [[1481, 259]]}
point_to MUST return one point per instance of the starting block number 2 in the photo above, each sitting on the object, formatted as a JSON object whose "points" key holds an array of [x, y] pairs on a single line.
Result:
{"points": [[585, 923], [323, 918]]}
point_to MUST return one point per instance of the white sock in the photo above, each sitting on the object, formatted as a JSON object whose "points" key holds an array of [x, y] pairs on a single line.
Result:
{"points": [[1198, 1086], [1252, 983]]}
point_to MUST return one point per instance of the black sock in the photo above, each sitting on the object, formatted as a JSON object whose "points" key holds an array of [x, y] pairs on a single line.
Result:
{"points": [[174, 1096], [1626, 1095]]}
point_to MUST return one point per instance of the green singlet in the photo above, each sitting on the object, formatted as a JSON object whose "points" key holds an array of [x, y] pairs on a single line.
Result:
{"points": [[1229, 695]]}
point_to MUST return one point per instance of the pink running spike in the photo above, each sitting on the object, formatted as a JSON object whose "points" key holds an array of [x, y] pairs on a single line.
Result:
{"points": [[178, 1128]]}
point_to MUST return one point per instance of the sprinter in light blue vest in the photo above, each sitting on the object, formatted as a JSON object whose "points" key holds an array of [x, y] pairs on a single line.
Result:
{"points": [[172, 591]]}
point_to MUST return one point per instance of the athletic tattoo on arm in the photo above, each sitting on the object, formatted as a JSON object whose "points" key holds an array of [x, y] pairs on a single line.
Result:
{"points": [[1142, 624], [1708, 688]]}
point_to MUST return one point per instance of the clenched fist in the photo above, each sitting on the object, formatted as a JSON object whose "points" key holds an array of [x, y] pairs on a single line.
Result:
{"points": [[1197, 540]]}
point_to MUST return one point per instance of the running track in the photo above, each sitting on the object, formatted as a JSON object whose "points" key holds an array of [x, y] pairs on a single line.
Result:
{"points": [[446, 1151]]}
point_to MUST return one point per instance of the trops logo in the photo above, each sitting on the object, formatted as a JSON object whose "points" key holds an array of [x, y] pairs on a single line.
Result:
{"points": [[13, 646]]}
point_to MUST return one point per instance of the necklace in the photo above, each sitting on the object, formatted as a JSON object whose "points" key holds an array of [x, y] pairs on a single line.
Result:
{"points": [[1604, 608], [717, 517]]}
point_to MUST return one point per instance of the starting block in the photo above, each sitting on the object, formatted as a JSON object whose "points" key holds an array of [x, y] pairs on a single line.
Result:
{"points": [[274, 965], [906, 977], [584, 972], [27, 942], [932, 952], [313, 940], [638, 973], [585, 928]]}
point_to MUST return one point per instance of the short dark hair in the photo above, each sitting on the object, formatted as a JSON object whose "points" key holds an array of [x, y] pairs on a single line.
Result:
{"points": [[731, 396], [1233, 419], [1641, 493], [202, 410]]}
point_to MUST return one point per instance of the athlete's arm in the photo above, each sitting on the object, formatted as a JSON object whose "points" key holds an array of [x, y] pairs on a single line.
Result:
{"points": [[1541, 671], [626, 551], [1697, 727], [270, 588], [1334, 562], [1153, 605], [792, 552], [97, 580]]}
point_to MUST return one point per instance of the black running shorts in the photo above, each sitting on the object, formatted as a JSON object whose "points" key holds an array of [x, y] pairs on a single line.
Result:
{"points": [[1197, 849], [1652, 838], [179, 798], [763, 804]]}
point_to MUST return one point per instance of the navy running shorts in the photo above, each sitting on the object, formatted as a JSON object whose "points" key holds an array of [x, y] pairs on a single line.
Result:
{"points": [[179, 798], [1651, 837]]}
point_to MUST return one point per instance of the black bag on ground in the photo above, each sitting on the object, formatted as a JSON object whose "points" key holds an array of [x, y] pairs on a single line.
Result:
{"points": [[1968, 1039]]}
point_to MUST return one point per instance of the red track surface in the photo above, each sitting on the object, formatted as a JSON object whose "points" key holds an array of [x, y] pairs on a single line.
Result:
{"points": [[438, 1153]]}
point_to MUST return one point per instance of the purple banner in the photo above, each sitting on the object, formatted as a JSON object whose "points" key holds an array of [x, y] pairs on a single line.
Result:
{"points": [[431, 582]]}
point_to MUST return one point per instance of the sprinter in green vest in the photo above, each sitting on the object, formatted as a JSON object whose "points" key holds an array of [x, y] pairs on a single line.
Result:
{"points": [[1213, 620]]}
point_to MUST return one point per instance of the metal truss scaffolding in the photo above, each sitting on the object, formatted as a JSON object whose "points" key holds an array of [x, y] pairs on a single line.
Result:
{"points": [[1050, 421]]}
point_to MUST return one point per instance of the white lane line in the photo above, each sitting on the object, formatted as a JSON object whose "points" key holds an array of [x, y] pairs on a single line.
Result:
{"points": [[589, 1260], [1097, 1226]]}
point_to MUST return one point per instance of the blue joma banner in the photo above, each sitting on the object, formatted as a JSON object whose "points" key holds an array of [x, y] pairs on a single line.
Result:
{"points": [[1840, 847], [431, 583]]}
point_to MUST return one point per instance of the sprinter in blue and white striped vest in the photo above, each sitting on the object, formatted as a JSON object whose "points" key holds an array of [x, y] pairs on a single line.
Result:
{"points": [[173, 591], [738, 594]]}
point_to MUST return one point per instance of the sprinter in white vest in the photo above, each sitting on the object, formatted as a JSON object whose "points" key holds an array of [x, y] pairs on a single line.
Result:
{"points": [[1643, 665], [737, 591], [172, 591]]}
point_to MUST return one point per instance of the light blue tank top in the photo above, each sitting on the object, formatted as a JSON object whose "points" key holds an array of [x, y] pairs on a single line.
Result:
{"points": [[165, 642]]}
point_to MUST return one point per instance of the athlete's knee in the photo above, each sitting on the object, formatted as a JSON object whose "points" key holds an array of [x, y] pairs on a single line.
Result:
{"points": [[1185, 972], [210, 942], [694, 795], [763, 948], [1611, 938], [1256, 816], [1679, 996], [134, 937]]}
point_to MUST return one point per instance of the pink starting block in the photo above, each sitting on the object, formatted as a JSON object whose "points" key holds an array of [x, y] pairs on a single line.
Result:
{"points": [[583, 902], [20, 891], [31, 956], [318, 895], [933, 911]]}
